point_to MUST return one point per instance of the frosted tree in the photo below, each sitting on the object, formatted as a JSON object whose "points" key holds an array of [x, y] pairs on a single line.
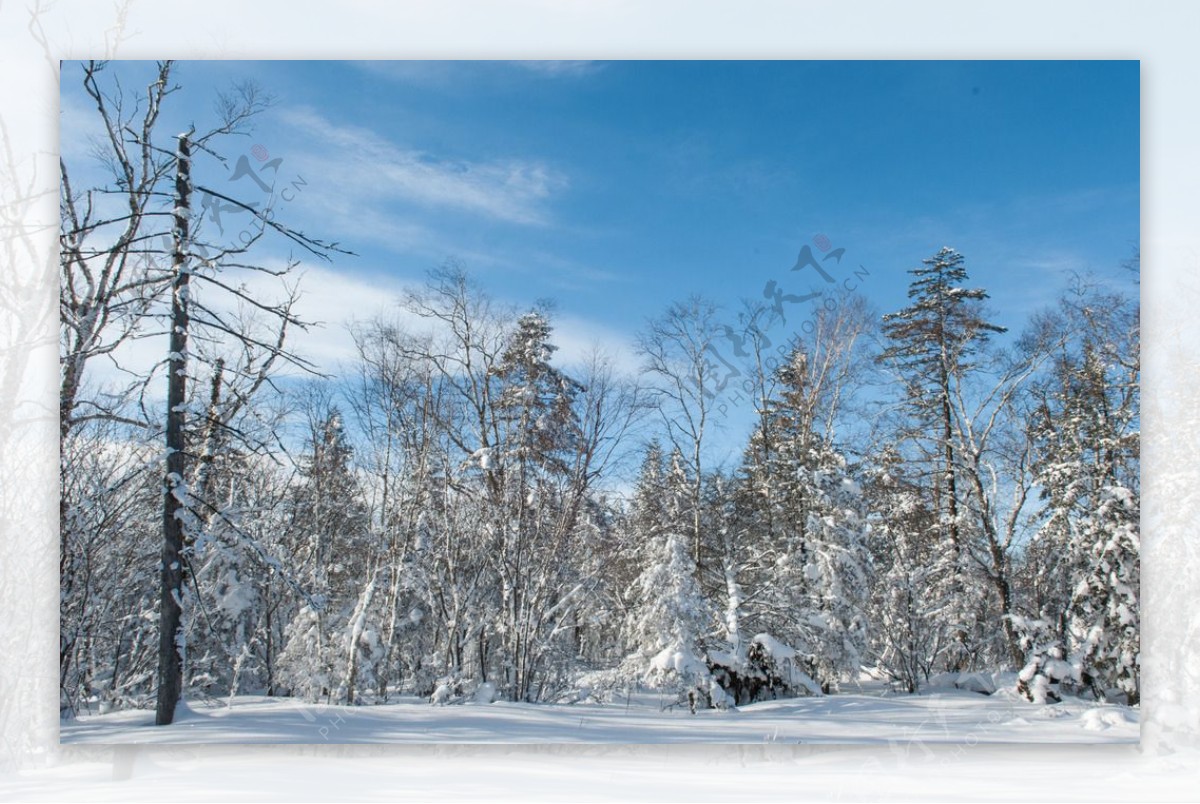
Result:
{"points": [[402, 458], [136, 261], [670, 621], [1105, 620], [107, 654], [907, 640], [540, 432], [1085, 557], [666, 616], [811, 523], [329, 535], [645, 521], [677, 351], [931, 347]]}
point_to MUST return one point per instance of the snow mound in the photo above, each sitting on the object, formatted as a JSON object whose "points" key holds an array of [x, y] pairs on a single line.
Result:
{"points": [[1102, 719], [1009, 692], [774, 648], [942, 681], [983, 683], [683, 662]]}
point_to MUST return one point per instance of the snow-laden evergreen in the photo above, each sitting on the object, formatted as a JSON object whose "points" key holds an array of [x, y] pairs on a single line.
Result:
{"points": [[808, 523], [933, 348], [908, 640], [1084, 561]]}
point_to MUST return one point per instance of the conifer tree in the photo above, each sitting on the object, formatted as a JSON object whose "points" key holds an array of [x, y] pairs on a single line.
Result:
{"points": [[814, 589], [932, 345], [330, 526], [667, 627], [1087, 548], [535, 404]]}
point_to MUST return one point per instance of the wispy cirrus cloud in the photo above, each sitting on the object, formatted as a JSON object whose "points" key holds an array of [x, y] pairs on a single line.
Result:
{"points": [[376, 169]]}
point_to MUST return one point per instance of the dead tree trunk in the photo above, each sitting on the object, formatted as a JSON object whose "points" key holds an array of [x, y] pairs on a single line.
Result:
{"points": [[170, 644]]}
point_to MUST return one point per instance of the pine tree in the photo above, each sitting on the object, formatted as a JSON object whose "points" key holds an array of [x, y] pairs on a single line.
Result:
{"points": [[906, 639], [1105, 622], [667, 618], [536, 398], [1086, 557], [538, 514], [646, 520], [933, 342], [815, 589], [666, 629], [329, 527]]}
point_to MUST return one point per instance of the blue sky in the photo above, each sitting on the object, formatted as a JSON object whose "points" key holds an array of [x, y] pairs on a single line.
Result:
{"points": [[615, 188]]}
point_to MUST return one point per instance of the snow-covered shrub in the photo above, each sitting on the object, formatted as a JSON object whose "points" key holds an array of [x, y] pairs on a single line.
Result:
{"points": [[1047, 675], [769, 670]]}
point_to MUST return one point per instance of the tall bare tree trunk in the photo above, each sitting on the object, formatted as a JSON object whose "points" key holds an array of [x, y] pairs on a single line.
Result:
{"points": [[170, 647], [948, 455]]}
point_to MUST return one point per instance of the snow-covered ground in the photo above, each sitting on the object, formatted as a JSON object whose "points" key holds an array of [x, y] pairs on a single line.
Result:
{"points": [[940, 716]]}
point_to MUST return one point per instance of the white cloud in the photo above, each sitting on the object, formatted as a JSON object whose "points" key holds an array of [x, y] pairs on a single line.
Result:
{"points": [[577, 337], [372, 169], [331, 301], [328, 300], [1052, 262]]}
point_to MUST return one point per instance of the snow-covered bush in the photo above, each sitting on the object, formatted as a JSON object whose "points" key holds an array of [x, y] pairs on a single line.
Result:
{"points": [[768, 670]]}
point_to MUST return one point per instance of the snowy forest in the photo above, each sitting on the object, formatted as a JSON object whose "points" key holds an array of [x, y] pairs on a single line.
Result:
{"points": [[456, 514]]}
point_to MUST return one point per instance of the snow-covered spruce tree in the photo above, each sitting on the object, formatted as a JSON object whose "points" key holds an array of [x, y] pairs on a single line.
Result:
{"points": [[1105, 619], [1087, 557], [668, 615], [813, 592], [635, 546], [328, 531], [932, 342], [906, 640], [540, 433], [670, 621], [644, 521], [220, 624]]}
